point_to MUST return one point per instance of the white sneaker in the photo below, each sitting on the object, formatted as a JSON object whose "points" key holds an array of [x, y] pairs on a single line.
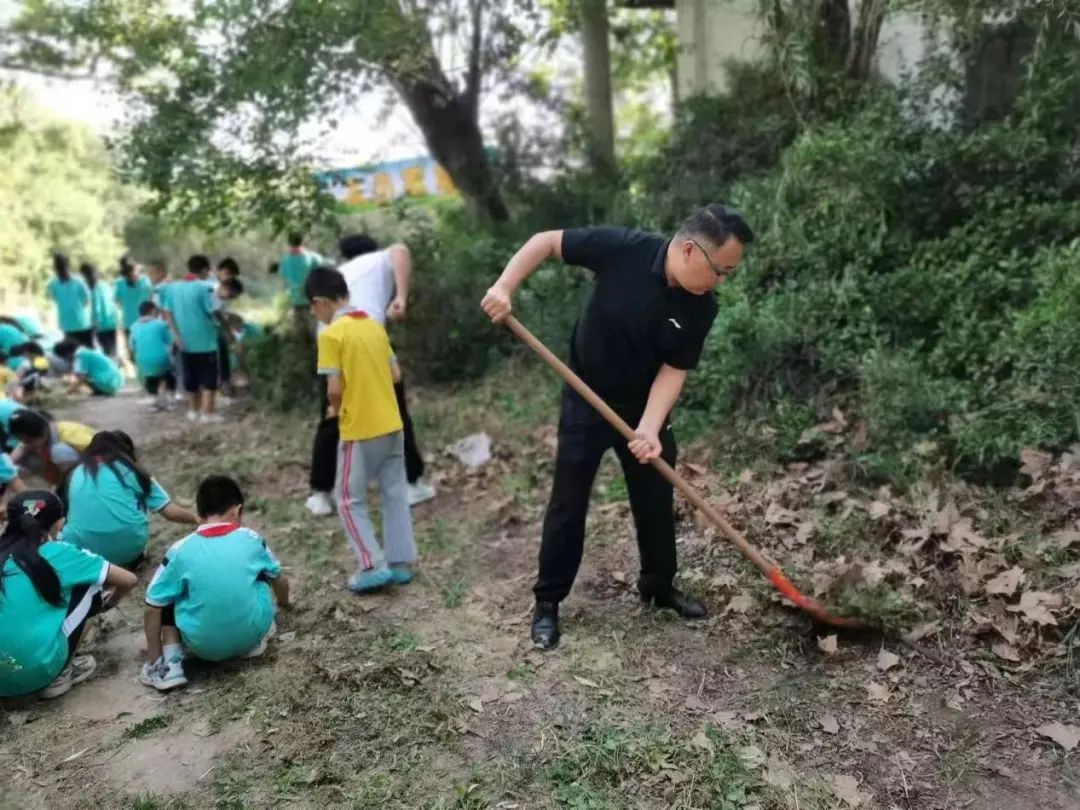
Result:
{"points": [[420, 492], [147, 401], [319, 504], [260, 648], [193, 416], [162, 676], [212, 419], [78, 670]]}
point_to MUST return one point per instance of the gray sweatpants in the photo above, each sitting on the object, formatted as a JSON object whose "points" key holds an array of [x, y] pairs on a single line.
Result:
{"points": [[381, 459]]}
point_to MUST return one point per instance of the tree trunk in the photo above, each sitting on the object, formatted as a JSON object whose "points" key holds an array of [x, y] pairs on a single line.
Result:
{"points": [[835, 31], [594, 35], [864, 43]]}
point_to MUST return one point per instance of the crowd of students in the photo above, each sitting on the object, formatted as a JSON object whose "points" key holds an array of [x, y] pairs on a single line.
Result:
{"points": [[73, 550]]}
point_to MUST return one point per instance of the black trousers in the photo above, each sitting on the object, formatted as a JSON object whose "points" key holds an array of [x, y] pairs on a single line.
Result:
{"points": [[106, 339], [324, 447], [583, 439], [224, 361], [83, 337]]}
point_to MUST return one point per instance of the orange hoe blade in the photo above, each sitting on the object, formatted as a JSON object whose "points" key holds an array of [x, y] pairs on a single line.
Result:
{"points": [[770, 569]]}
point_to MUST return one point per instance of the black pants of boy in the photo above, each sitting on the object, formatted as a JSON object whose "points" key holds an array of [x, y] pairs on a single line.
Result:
{"points": [[324, 447], [584, 437], [200, 371], [84, 604], [82, 337], [153, 384], [106, 339]]}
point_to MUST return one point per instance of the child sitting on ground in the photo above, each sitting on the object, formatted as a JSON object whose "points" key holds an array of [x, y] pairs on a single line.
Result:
{"points": [[151, 346], [47, 446], [48, 590], [359, 366], [212, 591], [110, 498], [91, 368]]}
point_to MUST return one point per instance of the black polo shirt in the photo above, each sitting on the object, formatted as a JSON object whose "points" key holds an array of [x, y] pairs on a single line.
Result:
{"points": [[635, 322]]}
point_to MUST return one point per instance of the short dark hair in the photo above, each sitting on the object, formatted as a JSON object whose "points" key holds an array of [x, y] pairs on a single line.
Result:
{"points": [[217, 494], [28, 424], [326, 282], [198, 263], [296, 239], [229, 263], [234, 285], [716, 223], [357, 244], [147, 308], [66, 349], [61, 265]]}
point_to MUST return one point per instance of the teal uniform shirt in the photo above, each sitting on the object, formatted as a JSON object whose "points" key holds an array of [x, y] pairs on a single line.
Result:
{"points": [[102, 373], [34, 643], [151, 343], [72, 298], [131, 296], [108, 514], [161, 294], [10, 337], [30, 325], [193, 304], [102, 307], [8, 471], [216, 579], [293, 268]]}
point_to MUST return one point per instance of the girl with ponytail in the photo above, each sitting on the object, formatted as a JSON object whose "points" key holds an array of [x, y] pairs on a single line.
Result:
{"points": [[110, 498], [48, 590]]}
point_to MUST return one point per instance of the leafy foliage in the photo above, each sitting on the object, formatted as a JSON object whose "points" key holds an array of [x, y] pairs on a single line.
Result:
{"points": [[57, 192]]}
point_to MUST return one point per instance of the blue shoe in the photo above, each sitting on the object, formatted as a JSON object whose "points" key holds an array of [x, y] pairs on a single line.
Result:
{"points": [[402, 574], [373, 579]]}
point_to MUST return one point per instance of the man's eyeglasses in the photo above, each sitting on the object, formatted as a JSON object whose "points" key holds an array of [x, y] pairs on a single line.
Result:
{"points": [[719, 272]]}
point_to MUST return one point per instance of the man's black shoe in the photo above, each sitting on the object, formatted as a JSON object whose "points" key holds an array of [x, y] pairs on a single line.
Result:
{"points": [[545, 626], [673, 599]]}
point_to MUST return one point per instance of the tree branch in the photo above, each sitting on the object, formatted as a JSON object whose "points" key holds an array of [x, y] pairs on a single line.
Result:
{"points": [[471, 97]]}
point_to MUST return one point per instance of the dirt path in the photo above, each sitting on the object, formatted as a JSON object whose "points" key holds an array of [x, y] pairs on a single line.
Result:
{"points": [[430, 696]]}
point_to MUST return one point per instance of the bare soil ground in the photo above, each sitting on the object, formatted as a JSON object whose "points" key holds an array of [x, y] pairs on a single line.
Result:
{"points": [[429, 696]]}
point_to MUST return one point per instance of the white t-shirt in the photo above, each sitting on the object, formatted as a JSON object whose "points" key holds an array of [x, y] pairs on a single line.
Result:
{"points": [[371, 283]]}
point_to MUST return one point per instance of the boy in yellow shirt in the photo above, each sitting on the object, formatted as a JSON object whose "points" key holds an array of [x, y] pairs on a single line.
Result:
{"points": [[356, 359]]}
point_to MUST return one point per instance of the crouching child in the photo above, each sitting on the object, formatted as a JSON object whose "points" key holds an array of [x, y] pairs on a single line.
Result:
{"points": [[213, 594]]}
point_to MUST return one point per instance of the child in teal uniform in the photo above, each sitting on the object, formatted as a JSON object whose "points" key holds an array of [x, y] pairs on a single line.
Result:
{"points": [[11, 335], [48, 591], [90, 368], [214, 591], [192, 311], [151, 347], [102, 309], [72, 299], [294, 267], [110, 498], [132, 288]]}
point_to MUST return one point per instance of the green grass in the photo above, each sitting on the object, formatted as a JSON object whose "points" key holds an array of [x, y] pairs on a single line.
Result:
{"points": [[523, 673], [401, 641], [453, 593], [148, 726]]}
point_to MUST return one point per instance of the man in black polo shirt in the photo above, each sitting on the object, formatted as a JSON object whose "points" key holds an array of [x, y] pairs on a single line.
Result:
{"points": [[642, 330]]}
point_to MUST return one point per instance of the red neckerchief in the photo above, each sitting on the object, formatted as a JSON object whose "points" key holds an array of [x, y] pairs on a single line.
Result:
{"points": [[295, 250], [191, 277], [217, 530], [356, 313]]}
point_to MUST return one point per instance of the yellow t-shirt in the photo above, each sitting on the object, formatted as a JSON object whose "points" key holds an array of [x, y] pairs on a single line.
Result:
{"points": [[7, 377], [75, 434], [356, 348]]}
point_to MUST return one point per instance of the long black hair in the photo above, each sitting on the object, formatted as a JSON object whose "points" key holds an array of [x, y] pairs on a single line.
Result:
{"points": [[30, 515], [28, 424], [90, 273], [113, 449], [61, 266]]}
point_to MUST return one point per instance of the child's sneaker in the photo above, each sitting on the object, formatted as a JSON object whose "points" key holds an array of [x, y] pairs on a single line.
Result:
{"points": [[212, 419], [78, 670], [193, 416], [163, 676], [373, 579], [402, 574], [319, 504], [420, 491], [261, 647]]}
